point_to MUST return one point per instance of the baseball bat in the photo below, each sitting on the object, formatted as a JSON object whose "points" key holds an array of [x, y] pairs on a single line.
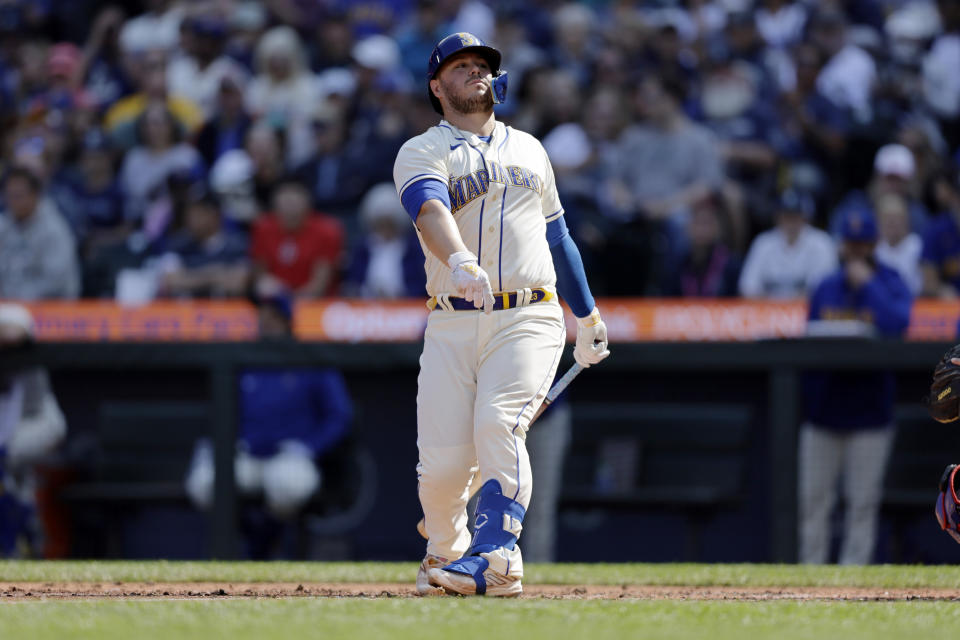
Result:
{"points": [[557, 389], [552, 394]]}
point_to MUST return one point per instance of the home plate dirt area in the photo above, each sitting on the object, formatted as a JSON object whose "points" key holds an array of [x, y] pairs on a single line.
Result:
{"points": [[14, 591]]}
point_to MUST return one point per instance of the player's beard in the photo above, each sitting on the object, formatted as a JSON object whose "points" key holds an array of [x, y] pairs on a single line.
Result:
{"points": [[477, 104]]}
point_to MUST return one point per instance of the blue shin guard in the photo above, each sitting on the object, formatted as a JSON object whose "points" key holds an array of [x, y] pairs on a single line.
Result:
{"points": [[497, 525]]}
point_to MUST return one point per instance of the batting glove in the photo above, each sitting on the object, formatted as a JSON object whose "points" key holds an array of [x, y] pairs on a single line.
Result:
{"points": [[471, 280], [591, 340]]}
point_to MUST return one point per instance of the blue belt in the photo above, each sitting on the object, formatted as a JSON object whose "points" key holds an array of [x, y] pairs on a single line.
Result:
{"points": [[501, 300]]}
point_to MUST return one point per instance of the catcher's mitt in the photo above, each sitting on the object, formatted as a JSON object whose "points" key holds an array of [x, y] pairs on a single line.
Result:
{"points": [[944, 399], [947, 503]]}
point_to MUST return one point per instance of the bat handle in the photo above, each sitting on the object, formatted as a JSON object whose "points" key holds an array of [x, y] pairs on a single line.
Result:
{"points": [[557, 389], [562, 383]]}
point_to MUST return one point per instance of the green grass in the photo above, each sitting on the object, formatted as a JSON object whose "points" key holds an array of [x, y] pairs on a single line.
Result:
{"points": [[890, 576], [466, 619]]}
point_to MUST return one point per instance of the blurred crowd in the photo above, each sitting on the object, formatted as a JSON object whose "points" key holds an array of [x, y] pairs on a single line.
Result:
{"points": [[210, 148]]}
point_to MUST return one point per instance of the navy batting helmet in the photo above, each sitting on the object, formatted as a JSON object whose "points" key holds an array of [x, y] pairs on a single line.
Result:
{"points": [[455, 43]]}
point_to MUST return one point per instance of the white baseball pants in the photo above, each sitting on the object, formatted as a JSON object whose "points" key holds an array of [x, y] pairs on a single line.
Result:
{"points": [[860, 457], [482, 377]]}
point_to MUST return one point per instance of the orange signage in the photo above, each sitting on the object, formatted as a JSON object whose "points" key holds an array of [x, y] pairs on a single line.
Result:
{"points": [[94, 320], [645, 319], [349, 320], [342, 320], [934, 320]]}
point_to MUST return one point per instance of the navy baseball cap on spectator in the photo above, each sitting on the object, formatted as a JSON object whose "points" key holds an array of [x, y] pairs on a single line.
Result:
{"points": [[795, 201], [858, 225], [208, 27], [741, 18]]}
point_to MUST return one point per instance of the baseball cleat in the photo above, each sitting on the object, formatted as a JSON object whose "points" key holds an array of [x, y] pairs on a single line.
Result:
{"points": [[425, 586], [498, 585]]}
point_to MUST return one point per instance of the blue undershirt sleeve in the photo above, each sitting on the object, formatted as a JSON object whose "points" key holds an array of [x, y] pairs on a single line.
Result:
{"points": [[419, 192], [571, 278]]}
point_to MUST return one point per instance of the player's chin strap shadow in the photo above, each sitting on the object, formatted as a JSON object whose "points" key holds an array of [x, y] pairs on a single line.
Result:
{"points": [[498, 524], [500, 88]]}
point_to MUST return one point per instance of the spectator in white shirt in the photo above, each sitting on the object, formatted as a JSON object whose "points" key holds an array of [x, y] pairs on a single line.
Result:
{"points": [[789, 260], [781, 22], [199, 73], [283, 89], [848, 77], [941, 82], [899, 247], [159, 153], [157, 28]]}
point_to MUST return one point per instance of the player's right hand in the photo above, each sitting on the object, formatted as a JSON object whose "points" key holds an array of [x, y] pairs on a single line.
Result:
{"points": [[471, 280]]}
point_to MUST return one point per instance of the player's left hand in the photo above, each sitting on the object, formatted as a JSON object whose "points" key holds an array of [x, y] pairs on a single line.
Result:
{"points": [[591, 345]]}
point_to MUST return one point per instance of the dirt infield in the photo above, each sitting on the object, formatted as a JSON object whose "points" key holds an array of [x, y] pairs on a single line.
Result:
{"points": [[21, 591]]}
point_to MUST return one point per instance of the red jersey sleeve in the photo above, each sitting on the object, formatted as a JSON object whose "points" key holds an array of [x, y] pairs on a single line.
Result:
{"points": [[259, 241]]}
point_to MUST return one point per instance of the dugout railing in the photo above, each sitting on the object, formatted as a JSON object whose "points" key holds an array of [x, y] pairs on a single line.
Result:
{"points": [[775, 367]]}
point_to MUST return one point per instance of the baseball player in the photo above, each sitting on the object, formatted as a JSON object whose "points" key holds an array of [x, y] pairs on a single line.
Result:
{"points": [[943, 403], [485, 205]]}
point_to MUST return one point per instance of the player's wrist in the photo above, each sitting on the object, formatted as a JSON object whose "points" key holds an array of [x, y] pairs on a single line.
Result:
{"points": [[459, 257], [590, 320]]}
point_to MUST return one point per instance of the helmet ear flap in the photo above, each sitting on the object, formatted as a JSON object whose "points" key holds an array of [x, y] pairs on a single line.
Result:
{"points": [[500, 88]]}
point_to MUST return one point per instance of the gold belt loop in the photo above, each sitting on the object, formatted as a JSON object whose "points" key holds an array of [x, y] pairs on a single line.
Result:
{"points": [[506, 299]]}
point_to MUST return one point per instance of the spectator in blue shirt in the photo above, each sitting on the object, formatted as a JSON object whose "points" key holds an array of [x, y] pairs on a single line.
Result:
{"points": [[940, 259], [815, 130], [205, 259], [706, 266], [387, 261], [849, 427], [90, 197], [227, 128]]}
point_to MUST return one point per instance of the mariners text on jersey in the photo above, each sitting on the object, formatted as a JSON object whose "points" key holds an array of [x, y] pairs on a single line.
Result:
{"points": [[502, 194], [466, 189]]}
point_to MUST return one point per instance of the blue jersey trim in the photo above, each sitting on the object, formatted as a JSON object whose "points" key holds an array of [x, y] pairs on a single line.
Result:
{"points": [[482, 207], [455, 136], [419, 192], [500, 253], [553, 216], [503, 207], [571, 277], [480, 235], [419, 176]]}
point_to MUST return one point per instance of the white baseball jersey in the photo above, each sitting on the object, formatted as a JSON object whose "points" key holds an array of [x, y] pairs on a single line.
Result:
{"points": [[482, 376], [502, 194]]}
